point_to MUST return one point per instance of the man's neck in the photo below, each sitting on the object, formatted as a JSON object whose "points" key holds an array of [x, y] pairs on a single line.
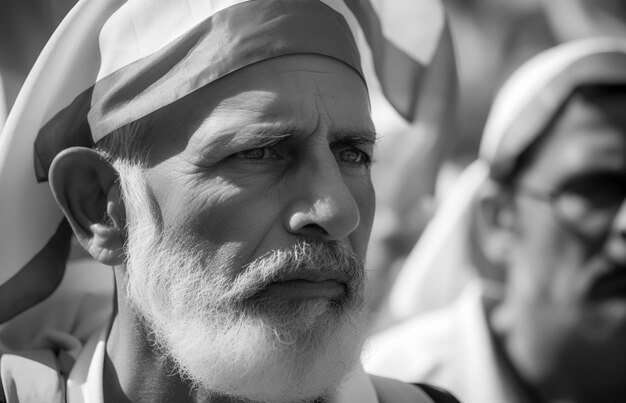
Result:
{"points": [[524, 390], [134, 371]]}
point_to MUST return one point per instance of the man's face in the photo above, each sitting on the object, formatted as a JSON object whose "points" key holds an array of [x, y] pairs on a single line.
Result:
{"points": [[247, 238], [566, 289]]}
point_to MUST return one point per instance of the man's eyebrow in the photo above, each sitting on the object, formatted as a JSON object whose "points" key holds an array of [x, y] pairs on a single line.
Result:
{"points": [[263, 136], [366, 136], [250, 137]]}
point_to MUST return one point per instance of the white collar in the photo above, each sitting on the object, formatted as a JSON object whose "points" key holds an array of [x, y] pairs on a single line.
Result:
{"points": [[356, 387], [84, 384]]}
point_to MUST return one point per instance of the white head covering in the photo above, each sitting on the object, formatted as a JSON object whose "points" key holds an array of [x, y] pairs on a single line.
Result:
{"points": [[111, 62], [441, 263]]}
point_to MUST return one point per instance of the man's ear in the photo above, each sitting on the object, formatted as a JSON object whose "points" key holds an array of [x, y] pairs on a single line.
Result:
{"points": [[495, 224], [86, 187]]}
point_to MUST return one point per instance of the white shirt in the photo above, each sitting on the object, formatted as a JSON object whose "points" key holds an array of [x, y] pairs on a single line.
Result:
{"points": [[450, 347]]}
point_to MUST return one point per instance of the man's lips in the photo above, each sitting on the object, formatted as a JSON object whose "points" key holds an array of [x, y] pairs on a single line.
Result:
{"points": [[308, 284], [314, 276], [305, 289], [610, 285]]}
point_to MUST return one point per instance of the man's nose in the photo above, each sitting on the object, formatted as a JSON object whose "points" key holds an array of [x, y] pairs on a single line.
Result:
{"points": [[324, 207]]}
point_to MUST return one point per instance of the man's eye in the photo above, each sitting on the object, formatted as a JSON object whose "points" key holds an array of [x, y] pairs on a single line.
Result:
{"points": [[256, 154], [354, 156]]}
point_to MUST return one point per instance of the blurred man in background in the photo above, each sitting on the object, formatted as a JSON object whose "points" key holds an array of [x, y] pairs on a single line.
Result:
{"points": [[540, 219]]}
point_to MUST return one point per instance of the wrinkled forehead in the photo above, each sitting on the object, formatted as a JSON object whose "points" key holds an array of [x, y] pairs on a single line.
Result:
{"points": [[282, 96], [293, 79]]}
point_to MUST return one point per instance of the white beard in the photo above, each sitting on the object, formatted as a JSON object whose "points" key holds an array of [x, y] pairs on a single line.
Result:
{"points": [[220, 334]]}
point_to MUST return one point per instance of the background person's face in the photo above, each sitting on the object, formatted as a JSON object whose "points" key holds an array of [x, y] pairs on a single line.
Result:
{"points": [[566, 293]]}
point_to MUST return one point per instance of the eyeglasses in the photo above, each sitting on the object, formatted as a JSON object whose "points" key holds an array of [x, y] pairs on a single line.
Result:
{"points": [[586, 205]]}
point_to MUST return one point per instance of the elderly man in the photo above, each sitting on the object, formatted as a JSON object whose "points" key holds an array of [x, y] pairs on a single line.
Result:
{"points": [[217, 155], [541, 218]]}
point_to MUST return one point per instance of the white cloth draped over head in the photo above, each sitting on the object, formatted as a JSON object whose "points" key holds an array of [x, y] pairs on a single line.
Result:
{"points": [[442, 261], [112, 62]]}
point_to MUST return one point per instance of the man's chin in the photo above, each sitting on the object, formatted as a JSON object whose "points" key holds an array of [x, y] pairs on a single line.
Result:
{"points": [[273, 358], [297, 315]]}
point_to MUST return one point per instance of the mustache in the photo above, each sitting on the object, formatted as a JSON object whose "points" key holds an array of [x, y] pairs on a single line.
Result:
{"points": [[304, 259]]}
